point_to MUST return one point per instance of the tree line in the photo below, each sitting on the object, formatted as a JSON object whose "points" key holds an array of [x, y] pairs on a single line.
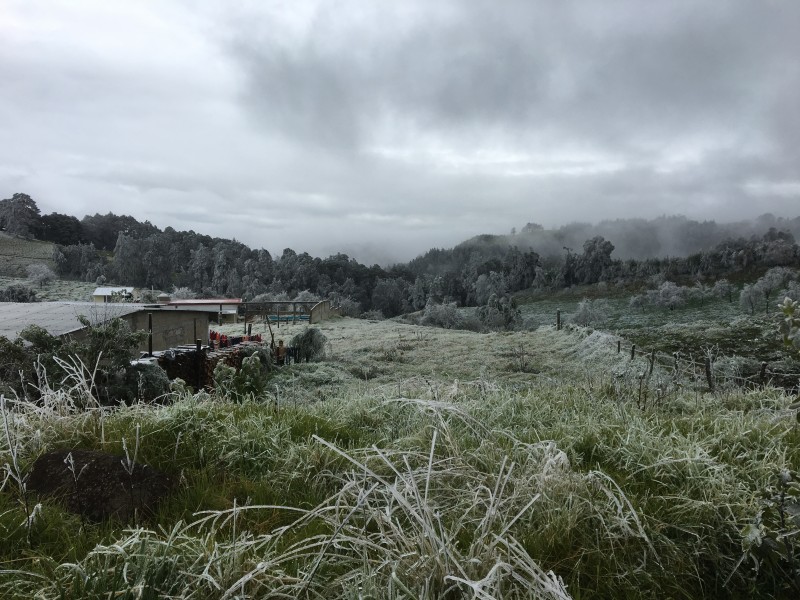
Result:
{"points": [[485, 271]]}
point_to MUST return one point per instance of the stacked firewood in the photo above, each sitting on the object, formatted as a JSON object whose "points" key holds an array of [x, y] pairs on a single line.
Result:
{"points": [[185, 363]]}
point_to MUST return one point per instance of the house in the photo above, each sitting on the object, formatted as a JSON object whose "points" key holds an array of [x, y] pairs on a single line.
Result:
{"points": [[113, 294], [170, 328]]}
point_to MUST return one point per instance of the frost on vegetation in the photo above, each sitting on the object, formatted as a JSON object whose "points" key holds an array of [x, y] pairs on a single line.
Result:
{"points": [[591, 312], [790, 324]]}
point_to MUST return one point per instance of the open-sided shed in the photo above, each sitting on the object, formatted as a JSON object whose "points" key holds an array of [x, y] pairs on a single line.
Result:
{"points": [[169, 327]]}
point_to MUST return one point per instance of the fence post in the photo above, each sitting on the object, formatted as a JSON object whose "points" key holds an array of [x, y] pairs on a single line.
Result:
{"points": [[652, 361], [619, 346], [199, 366], [633, 351], [558, 319], [708, 374], [763, 374]]}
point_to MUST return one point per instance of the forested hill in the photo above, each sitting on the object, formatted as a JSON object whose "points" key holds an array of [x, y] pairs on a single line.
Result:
{"points": [[628, 252]]}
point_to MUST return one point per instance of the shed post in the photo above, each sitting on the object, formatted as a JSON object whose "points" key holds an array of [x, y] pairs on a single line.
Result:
{"points": [[199, 363], [149, 334]]}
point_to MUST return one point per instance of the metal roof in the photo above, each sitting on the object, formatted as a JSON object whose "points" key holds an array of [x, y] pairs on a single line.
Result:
{"points": [[58, 318]]}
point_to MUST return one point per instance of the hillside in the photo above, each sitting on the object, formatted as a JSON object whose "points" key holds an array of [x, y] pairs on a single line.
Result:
{"points": [[17, 253], [425, 463]]}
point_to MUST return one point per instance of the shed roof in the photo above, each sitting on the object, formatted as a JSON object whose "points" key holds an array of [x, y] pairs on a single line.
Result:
{"points": [[60, 318]]}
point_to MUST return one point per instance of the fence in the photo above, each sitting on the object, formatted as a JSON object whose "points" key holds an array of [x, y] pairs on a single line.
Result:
{"points": [[714, 370]]}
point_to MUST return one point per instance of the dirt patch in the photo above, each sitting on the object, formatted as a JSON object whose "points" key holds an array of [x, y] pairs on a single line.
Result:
{"points": [[99, 486]]}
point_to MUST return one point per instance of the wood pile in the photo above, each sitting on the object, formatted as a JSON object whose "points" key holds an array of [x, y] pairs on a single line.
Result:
{"points": [[198, 371]]}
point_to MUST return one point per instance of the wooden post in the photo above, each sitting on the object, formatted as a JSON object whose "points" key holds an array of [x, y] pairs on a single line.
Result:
{"points": [[199, 364], [619, 346], [652, 361], [633, 351], [558, 319], [763, 374], [249, 330], [709, 378], [195, 328], [149, 334]]}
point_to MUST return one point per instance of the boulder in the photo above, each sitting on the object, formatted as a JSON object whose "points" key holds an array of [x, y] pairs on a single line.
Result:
{"points": [[97, 485]]}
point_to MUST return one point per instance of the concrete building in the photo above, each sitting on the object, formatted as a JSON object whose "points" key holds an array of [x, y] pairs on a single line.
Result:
{"points": [[170, 328]]}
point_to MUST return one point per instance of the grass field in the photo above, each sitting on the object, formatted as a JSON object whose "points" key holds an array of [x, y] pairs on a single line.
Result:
{"points": [[60, 289], [424, 463], [16, 254]]}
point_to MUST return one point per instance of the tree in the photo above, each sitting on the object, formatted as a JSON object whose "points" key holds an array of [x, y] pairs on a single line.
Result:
{"points": [[41, 274], [772, 281], [61, 229], [20, 215], [724, 289], [749, 298], [388, 296]]}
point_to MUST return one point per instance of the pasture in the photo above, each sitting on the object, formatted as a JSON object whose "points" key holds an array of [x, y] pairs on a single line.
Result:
{"points": [[17, 253], [425, 463]]}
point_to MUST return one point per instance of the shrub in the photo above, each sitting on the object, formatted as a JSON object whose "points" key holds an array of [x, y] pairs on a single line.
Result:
{"points": [[17, 293], [444, 315], [149, 381], [250, 380], [309, 346], [590, 312]]}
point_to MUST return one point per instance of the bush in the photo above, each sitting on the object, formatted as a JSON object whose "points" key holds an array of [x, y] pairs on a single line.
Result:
{"points": [[250, 380], [17, 293], [147, 381], [442, 315], [590, 312], [309, 346]]}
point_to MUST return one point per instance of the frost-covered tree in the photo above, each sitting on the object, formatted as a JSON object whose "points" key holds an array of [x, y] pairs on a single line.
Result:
{"points": [[790, 324], [40, 274], [749, 298], [488, 285], [767, 287], [668, 295], [724, 289]]}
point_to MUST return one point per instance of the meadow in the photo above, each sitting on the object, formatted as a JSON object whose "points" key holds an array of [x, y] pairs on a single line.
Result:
{"points": [[415, 462], [17, 253]]}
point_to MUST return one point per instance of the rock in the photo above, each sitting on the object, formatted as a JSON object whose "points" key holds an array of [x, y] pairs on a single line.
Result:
{"points": [[100, 487]]}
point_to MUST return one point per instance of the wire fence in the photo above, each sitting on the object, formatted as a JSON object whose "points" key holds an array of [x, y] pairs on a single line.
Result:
{"points": [[712, 369]]}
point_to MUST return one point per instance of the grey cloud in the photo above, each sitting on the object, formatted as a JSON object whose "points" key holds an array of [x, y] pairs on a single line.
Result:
{"points": [[390, 127]]}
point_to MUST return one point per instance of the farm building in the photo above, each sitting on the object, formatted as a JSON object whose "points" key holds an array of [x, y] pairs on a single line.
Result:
{"points": [[221, 310], [112, 294], [170, 327]]}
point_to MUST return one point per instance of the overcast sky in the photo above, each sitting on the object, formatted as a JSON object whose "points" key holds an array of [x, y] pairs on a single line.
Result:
{"points": [[382, 129]]}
